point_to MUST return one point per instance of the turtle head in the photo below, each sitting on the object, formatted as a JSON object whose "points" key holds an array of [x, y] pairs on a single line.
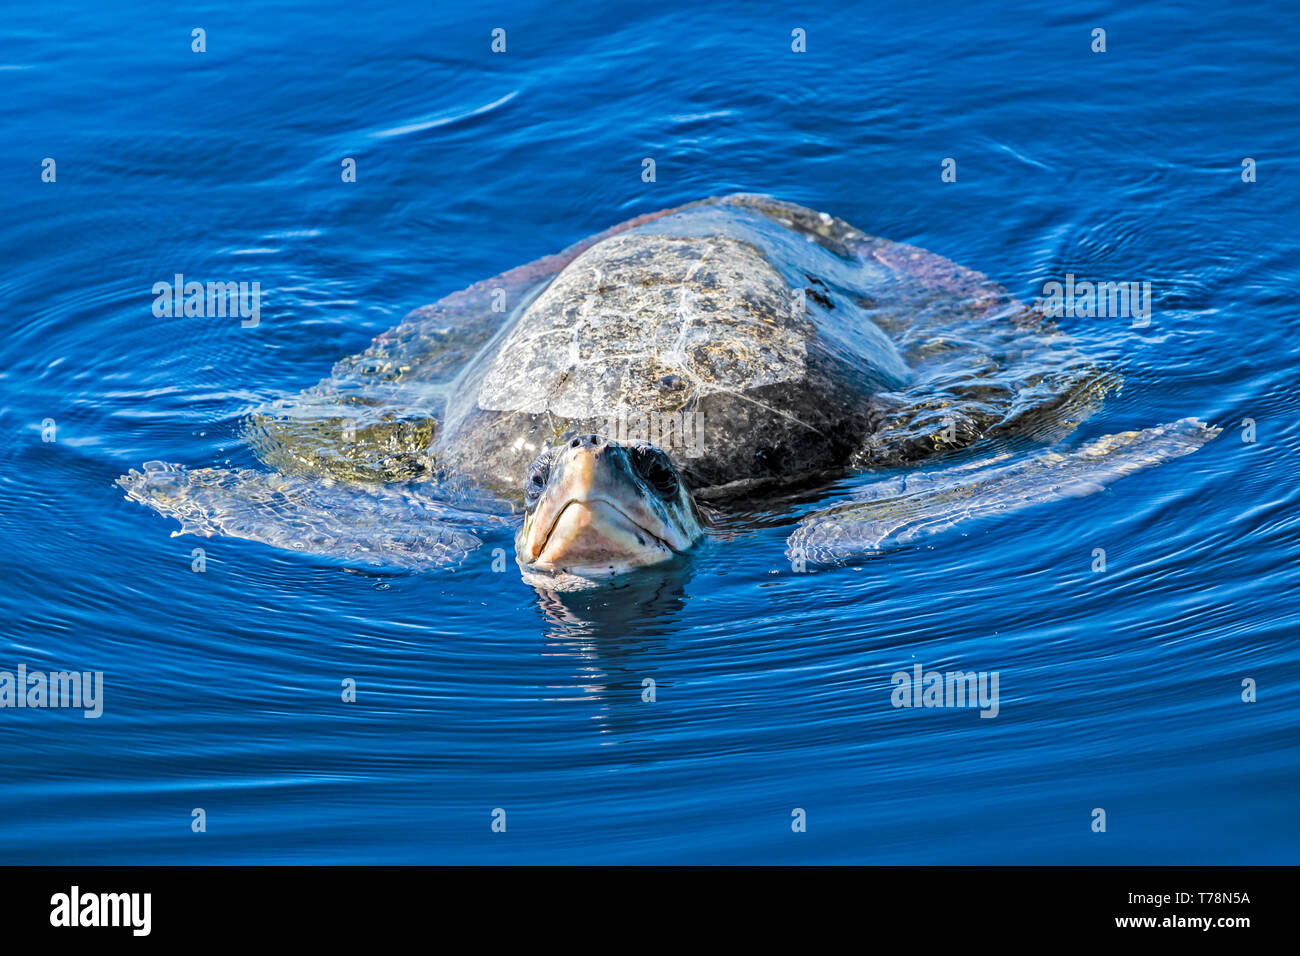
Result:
{"points": [[595, 508]]}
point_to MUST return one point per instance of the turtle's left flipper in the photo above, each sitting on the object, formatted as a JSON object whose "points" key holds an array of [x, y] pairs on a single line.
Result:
{"points": [[380, 525], [901, 510]]}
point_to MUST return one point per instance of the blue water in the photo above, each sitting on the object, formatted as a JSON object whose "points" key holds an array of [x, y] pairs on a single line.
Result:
{"points": [[1120, 689]]}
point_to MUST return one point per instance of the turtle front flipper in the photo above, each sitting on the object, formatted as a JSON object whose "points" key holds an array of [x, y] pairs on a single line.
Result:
{"points": [[901, 510], [385, 526], [376, 416], [325, 432]]}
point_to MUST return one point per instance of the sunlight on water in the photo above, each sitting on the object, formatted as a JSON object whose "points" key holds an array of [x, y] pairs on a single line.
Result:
{"points": [[684, 716]]}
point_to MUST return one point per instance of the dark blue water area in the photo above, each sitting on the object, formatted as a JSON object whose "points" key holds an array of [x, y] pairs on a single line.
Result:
{"points": [[1120, 690]]}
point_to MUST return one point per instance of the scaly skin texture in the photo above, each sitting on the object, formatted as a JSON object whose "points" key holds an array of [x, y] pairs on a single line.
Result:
{"points": [[597, 514], [659, 327]]}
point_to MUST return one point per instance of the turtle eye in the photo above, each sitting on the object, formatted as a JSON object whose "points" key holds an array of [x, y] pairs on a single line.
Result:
{"points": [[538, 473], [653, 465]]}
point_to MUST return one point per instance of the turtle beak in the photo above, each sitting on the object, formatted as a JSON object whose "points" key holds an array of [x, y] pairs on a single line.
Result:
{"points": [[596, 516]]}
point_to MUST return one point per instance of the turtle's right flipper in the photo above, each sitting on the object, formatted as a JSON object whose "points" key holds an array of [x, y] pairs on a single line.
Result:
{"points": [[387, 526], [901, 510]]}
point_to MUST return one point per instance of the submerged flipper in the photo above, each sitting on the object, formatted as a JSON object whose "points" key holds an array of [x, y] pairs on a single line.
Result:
{"points": [[900, 510], [387, 526]]}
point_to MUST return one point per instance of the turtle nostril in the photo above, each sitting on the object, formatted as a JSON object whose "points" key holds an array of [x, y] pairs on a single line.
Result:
{"points": [[585, 440]]}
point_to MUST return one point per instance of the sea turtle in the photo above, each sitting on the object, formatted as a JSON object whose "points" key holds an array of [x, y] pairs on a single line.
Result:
{"points": [[613, 401]]}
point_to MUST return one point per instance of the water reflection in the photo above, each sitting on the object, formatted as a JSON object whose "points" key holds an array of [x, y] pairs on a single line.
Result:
{"points": [[637, 609], [614, 637]]}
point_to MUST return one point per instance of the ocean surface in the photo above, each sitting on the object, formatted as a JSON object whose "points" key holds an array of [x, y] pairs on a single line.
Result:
{"points": [[1120, 690]]}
